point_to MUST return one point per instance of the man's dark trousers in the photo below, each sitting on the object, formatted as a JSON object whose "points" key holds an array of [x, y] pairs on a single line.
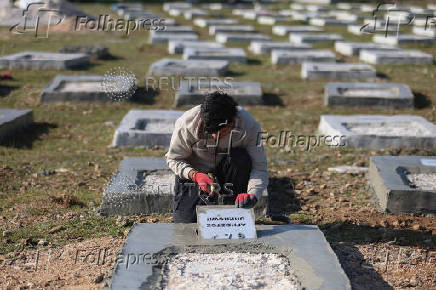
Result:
{"points": [[234, 169]]}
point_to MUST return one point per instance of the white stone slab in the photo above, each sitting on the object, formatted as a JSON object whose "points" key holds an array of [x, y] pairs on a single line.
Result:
{"points": [[339, 71], [214, 29], [166, 37], [396, 57], [173, 30], [285, 30], [176, 5], [13, 121], [428, 32], [43, 60], [193, 13], [260, 47], [353, 48], [181, 67], [314, 38], [240, 37], [202, 22], [225, 222], [177, 46], [298, 57], [272, 19], [402, 38], [232, 55], [330, 22], [347, 16]]}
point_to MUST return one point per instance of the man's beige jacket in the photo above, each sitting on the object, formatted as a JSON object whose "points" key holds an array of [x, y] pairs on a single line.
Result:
{"points": [[189, 149]]}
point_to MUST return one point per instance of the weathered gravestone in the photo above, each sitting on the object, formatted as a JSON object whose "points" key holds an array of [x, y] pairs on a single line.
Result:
{"points": [[86, 89], [339, 71], [12, 121], [146, 185], [244, 93], [396, 57], [146, 128], [178, 46], [279, 56], [194, 13], [232, 55], [202, 22], [43, 60], [379, 95], [166, 37], [272, 19], [404, 184], [300, 38], [331, 22], [285, 30], [214, 29], [181, 67], [97, 52], [240, 37], [354, 48], [403, 38], [380, 131], [159, 256], [260, 47], [425, 31]]}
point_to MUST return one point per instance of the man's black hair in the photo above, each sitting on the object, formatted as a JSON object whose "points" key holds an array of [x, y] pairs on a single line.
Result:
{"points": [[218, 110]]}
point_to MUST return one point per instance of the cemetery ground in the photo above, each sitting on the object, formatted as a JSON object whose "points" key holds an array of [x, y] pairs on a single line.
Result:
{"points": [[52, 177]]}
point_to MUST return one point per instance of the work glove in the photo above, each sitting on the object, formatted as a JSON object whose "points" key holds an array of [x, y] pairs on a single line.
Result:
{"points": [[203, 180], [245, 200]]}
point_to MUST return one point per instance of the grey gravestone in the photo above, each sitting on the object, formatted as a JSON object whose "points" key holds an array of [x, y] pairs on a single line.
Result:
{"points": [[225, 222], [193, 13], [232, 55], [380, 95], [146, 128], [173, 30], [214, 29], [316, 266], [181, 67], [354, 48], [43, 60], [240, 37], [146, 185], [340, 71], [177, 46], [97, 52], [272, 19], [202, 22], [396, 57], [381, 132], [83, 89], [422, 31], [300, 38], [298, 57], [12, 121], [260, 47], [166, 37], [285, 30], [388, 178], [403, 38], [176, 5], [193, 93], [347, 16], [330, 22]]}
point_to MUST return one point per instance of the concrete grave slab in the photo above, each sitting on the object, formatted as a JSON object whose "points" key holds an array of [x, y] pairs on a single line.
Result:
{"points": [[396, 57], [97, 52], [244, 93], [253, 14], [181, 67], [83, 89], [340, 71], [146, 128], [297, 57], [422, 31], [380, 131], [304, 247], [348, 6], [166, 37], [240, 37], [12, 121], [214, 29], [317, 1], [330, 22], [300, 38], [146, 185], [403, 38], [285, 30], [178, 46], [354, 48], [202, 22], [272, 19], [176, 5], [261, 47], [173, 30], [193, 13], [232, 55], [43, 60], [395, 181], [359, 29], [379, 95], [347, 16]]}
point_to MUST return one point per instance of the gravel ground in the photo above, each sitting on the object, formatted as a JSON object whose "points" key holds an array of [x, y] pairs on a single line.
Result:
{"points": [[388, 129], [424, 181], [229, 271]]}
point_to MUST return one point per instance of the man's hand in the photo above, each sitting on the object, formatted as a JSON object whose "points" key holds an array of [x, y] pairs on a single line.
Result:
{"points": [[245, 200], [203, 180]]}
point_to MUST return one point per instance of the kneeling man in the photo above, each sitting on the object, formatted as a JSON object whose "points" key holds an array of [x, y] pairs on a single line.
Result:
{"points": [[214, 151]]}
